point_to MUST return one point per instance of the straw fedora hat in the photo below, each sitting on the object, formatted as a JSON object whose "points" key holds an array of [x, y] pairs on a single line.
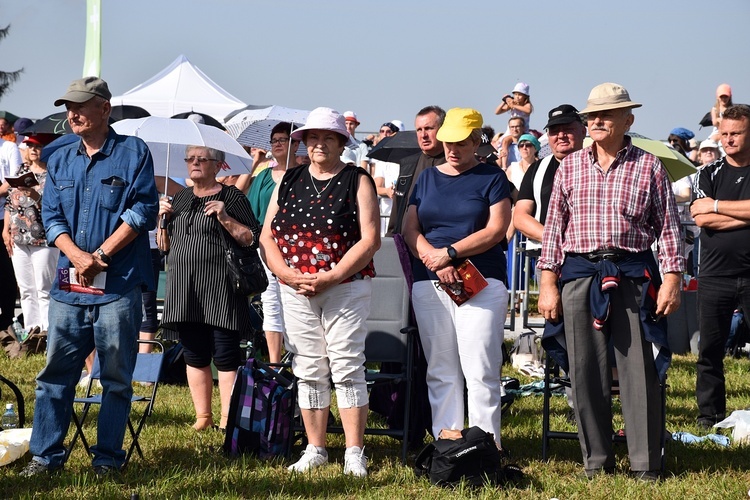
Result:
{"points": [[608, 96]]}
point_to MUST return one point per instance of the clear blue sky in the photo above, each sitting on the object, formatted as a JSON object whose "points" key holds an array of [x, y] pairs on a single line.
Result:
{"points": [[386, 59]]}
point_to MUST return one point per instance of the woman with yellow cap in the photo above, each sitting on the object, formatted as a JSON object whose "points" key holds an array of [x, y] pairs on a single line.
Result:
{"points": [[460, 210]]}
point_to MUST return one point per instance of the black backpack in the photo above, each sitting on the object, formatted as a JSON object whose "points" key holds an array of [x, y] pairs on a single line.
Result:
{"points": [[474, 458]]}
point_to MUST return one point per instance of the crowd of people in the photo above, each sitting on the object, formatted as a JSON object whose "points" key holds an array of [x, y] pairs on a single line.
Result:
{"points": [[607, 223]]}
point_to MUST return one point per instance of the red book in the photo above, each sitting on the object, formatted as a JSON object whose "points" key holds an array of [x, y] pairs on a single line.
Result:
{"points": [[66, 279], [472, 282]]}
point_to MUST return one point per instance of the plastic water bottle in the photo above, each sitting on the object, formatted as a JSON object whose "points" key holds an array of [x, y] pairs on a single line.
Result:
{"points": [[10, 419], [19, 330]]}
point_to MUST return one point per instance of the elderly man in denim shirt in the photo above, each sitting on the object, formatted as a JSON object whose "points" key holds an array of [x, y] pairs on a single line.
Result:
{"points": [[99, 202]]}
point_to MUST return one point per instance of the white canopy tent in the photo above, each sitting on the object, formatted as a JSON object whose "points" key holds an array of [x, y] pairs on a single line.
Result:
{"points": [[178, 88]]}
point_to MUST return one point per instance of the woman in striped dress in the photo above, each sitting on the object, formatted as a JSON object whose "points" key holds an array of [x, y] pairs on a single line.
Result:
{"points": [[200, 303]]}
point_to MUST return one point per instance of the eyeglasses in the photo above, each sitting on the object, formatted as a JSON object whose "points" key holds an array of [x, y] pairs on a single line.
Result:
{"points": [[515, 126], [280, 140], [525, 145], [199, 159]]}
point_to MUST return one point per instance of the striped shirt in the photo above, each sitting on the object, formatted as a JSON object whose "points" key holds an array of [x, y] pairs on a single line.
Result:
{"points": [[627, 207], [198, 290]]}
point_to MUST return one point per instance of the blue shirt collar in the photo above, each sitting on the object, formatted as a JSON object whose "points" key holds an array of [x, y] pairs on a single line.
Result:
{"points": [[106, 149]]}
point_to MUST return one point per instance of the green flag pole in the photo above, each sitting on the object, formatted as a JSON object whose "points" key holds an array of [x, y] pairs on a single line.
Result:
{"points": [[92, 59]]}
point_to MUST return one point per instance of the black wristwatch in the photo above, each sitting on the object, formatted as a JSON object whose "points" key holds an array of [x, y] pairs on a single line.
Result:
{"points": [[452, 253], [105, 258]]}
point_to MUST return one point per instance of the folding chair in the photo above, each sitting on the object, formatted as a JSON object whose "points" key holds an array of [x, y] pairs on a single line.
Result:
{"points": [[552, 377], [390, 337], [145, 377]]}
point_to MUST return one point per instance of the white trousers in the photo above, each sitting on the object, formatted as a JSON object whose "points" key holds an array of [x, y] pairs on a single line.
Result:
{"points": [[463, 343], [35, 268], [327, 335], [273, 314]]}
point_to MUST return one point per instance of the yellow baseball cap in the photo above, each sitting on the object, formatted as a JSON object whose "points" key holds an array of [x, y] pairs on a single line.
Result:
{"points": [[458, 124]]}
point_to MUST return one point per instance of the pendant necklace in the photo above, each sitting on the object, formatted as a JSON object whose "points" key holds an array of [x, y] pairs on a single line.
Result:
{"points": [[319, 193]]}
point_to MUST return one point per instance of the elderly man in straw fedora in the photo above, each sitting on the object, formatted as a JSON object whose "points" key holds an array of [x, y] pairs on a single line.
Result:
{"points": [[609, 202]]}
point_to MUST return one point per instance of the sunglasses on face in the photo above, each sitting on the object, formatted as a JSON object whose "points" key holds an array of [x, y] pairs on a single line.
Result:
{"points": [[199, 159], [525, 145]]}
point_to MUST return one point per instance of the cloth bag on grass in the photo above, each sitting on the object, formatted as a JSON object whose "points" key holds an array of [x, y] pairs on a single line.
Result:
{"points": [[740, 420], [14, 443]]}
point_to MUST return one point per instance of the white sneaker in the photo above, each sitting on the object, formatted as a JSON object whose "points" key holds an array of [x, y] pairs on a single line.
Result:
{"points": [[355, 462], [311, 458]]}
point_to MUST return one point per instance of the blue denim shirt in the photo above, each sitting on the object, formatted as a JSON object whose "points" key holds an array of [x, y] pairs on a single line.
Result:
{"points": [[88, 198]]}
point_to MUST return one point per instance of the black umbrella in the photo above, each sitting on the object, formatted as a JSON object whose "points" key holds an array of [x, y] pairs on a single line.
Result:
{"points": [[10, 117], [706, 120], [56, 123], [398, 146], [127, 111], [207, 119]]}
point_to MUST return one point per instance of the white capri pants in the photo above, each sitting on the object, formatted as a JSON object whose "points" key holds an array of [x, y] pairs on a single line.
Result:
{"points": [[35, 268], [327, 334], [463, 343], [273, 313]]}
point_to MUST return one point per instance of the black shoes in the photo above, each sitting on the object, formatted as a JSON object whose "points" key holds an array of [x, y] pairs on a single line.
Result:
{"points": [[650, 476], [601, 471], [106, 471]]}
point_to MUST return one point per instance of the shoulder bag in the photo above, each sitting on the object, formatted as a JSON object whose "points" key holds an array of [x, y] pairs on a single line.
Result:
{"points": [[245, 271]]}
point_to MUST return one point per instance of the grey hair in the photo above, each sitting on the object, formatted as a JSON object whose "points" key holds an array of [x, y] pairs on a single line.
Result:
{"points": [[440, 112], [215, 154]]}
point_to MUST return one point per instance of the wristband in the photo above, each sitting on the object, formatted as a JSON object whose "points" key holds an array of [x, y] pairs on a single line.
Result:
{"points": [[716, 206]]}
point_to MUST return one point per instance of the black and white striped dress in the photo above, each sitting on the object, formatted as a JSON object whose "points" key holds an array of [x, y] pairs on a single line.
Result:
{"points": [[197, 286]]}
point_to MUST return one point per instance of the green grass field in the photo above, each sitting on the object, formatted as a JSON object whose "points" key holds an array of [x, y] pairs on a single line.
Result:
{"points": [[181, 463]]}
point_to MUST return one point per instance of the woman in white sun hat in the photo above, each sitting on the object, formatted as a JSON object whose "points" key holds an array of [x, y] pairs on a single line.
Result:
{"points": [[319, 237]]}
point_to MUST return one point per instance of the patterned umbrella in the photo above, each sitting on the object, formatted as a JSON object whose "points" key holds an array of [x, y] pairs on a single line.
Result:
{"points": [[252, 127], [56, 123]]}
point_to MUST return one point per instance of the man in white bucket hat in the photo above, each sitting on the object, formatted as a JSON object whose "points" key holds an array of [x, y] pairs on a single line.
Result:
{"points": [[609, 202]]}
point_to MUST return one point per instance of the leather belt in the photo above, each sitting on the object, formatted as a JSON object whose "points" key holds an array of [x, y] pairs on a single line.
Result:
{"points": [[611, 254]]}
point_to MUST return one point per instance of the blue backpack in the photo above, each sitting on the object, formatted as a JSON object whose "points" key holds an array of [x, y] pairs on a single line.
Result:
{"points": [[261, 412]]}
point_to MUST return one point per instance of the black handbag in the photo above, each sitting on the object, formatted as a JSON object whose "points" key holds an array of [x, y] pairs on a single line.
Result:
{"points": [[473, 458], [245, 271]]}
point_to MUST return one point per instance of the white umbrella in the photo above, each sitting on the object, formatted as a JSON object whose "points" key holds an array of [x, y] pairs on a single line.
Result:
{"points": [[252, 127], [167, 139]]}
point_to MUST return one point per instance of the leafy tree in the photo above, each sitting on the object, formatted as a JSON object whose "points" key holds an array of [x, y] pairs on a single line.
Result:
{"points": [[7, 78]]}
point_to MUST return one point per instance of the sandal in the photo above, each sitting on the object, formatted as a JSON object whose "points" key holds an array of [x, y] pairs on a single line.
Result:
{"points": [[203, 421]]}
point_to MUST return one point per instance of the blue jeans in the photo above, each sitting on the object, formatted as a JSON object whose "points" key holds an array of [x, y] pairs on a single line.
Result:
{"points": [[718, 297], [74, 331]]}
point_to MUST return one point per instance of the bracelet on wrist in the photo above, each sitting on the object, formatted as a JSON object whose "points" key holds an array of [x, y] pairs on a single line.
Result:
{"points": [[716, 206]]}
